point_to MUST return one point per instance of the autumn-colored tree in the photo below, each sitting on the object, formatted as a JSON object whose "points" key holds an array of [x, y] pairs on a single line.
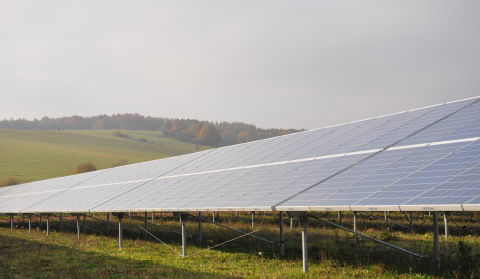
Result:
{"points": [[242, 136], [85, 167], [208, 135]]}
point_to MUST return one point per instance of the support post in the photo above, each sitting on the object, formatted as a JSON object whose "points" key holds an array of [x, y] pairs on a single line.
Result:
{"points": [[253, 219], [340, 217], [40, 225], [355, 221], [183, 218], [11, 222], [145, 225], [436, 243], [282, 235], [213, 217], [29, 223], [78, 227], [304, 223], [48, 224], [291, 224], [153, 217], [120, 231], [445, 221], [23, 220], [200, 230], [385, 216]]}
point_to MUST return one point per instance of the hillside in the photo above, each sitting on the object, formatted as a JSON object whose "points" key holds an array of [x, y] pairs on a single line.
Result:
{"points": [[186, 130], [33, 155]]}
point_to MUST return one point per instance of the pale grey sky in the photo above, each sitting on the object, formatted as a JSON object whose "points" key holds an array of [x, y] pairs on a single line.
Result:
{"points": [[300, 64]]}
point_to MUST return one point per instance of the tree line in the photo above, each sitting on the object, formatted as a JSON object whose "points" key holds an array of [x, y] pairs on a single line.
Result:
{"points": [[186, 130]]}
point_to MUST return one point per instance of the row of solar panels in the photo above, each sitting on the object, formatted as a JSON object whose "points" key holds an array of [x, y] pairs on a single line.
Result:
{"points": [[423, 159]]}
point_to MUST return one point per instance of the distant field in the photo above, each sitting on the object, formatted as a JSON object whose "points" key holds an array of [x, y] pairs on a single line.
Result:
{"points": [[34, 155]]}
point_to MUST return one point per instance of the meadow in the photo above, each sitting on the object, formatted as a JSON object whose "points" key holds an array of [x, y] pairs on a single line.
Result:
{"points": [[34, 155]]}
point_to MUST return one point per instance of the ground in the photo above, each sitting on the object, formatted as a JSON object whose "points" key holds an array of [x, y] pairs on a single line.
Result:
{"points": [[333, 253]]}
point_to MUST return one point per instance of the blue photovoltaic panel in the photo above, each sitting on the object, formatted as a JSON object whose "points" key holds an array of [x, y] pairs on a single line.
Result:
{"points": [[18, 197], [258, 187], [389, 178], [109, 184], [463, 124], [457, 177], [350, 165]]}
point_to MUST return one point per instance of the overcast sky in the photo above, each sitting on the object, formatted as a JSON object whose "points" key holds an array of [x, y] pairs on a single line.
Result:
{"points": [[299, 64]]}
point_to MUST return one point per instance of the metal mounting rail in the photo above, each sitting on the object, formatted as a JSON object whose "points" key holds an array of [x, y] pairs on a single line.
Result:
{"points": [[239, 231], [371, 238]]}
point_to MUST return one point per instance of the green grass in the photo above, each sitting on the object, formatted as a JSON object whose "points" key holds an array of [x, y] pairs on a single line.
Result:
{"points": [[332, 253], [35, 155]]}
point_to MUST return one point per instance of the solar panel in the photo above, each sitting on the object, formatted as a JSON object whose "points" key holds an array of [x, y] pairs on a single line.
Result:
{"points": [[251, 189], [110, 183], [413, 160]]}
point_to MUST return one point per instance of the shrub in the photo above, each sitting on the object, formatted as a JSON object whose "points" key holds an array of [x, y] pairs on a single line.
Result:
{"points": [[121, 135], [8, 181], [468, 260], [85, 167], [120, 163]]}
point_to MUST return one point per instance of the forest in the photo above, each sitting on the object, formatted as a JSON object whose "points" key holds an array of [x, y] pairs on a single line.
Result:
{"points": [[186, 130]]}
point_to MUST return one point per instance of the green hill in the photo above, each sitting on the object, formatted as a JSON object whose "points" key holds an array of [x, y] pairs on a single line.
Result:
{"points": [[34, 155]]}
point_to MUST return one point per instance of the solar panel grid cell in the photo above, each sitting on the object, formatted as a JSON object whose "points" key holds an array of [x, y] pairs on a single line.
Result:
{"points": [[233, 177]]}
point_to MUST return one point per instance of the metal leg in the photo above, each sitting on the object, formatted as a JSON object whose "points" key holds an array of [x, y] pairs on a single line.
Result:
{"points": [[29, 224], [78, 227], [291, 224], [48, 224], [445, 221], [153, 217], [200, 231], [184, 234], [354, 221], [213, 217], [304, 223], [11, 223], [120, 232], [385, 216], [253, 219], [436, 243], [282, 235]]}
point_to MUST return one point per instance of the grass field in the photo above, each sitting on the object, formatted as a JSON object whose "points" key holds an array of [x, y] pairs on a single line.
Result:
{"points": [[35, 155], [333, 253]]}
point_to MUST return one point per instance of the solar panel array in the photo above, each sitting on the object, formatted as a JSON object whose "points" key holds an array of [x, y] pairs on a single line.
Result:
{"points": [[423, 159]]}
